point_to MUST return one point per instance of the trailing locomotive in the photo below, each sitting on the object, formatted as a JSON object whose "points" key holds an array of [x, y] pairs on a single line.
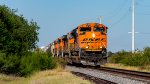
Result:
{"points": [[86, 44]]}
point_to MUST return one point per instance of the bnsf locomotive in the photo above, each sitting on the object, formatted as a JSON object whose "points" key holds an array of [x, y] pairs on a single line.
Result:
{"points": [[86, 44]]}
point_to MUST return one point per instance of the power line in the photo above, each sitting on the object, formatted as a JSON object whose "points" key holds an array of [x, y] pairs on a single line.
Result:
{"points": [[143, 33], [116, 13], [139, 3], [119, 9], [143, 14], [121, 19]]}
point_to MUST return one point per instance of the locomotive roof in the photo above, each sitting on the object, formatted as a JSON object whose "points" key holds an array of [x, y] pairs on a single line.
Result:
{"points": [[87, 24]]}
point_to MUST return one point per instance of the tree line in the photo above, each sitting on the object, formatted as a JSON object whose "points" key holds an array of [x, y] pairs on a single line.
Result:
{"points": [[17, 35], [18, 42]]}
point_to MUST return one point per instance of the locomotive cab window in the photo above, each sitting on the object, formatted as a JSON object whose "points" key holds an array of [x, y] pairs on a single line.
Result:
{"points": [[85, 29], [99, 29]]}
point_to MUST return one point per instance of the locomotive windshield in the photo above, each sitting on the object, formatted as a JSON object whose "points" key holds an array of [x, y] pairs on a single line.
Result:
{"points": [[98, 29], [85, 29]]}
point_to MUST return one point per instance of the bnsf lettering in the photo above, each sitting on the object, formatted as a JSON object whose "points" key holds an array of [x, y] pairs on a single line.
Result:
{"points": [[91, 39]]}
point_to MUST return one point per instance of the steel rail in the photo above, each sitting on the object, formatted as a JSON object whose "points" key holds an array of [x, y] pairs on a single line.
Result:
{"points": [[143, 76]]}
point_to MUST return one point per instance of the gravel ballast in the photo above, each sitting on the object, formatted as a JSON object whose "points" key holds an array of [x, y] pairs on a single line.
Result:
{"points": [[104, 75]]}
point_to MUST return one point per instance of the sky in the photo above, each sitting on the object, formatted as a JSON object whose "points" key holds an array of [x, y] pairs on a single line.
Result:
{"points": [[57, 17]]}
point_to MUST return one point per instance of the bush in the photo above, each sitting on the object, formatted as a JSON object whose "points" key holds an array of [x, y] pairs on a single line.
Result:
{"points": [[133, 60], [26, 65], [2, 61], [140, 58], [60, 62], [35, 62], [9, 64], [117, 57]]}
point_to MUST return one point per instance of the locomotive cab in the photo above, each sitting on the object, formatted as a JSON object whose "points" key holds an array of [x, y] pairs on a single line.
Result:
{"points": [[92, 42]]}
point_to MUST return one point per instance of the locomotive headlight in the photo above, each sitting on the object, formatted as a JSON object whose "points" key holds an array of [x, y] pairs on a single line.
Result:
{"points": [[100, 46], [93, 35], [86, 47]]}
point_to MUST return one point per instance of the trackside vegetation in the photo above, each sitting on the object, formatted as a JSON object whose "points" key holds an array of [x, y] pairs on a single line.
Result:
{"points": [[27, 64], [138, 59], [18, 45]]}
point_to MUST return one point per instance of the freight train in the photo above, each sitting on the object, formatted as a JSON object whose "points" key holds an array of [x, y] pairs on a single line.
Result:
{"points": [[86, 44]]}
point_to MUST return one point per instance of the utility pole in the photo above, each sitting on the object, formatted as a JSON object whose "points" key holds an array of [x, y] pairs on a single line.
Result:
{"points": [[100, 19], [133, 26]]}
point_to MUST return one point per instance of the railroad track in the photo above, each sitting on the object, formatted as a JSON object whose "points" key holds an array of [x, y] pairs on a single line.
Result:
{"points": [[118, 76], [92, 78], [142, 76]]}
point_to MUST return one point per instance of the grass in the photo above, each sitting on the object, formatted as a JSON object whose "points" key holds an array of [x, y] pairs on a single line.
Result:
{"points": [[135, 68], [55, 76], [9, 79]]}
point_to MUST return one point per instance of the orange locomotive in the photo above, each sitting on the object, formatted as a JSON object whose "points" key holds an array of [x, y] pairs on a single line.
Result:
{"points": [[62, 46], [86, 44], [55, 48]]}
